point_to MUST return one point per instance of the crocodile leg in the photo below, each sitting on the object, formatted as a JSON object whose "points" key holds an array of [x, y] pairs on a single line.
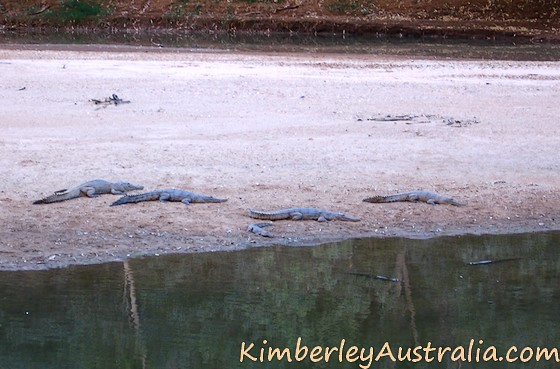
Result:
{"points": [[413, 198], [88, 191], [186, 201], [296, 215], [164, 197]]}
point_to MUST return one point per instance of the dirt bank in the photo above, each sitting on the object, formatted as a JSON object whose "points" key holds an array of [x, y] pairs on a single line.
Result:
{"points": [[268, 131], [481, 19]]}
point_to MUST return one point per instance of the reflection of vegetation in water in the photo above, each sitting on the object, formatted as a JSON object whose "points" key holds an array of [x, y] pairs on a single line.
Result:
{"points": [[70, 318], [256, 295], [283, 294], [195, 310]]}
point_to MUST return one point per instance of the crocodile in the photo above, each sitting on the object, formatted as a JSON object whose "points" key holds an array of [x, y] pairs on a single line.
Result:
{"points": [[186, 197], [257, 228], [300, 214], [416, 196], [90, 189]]}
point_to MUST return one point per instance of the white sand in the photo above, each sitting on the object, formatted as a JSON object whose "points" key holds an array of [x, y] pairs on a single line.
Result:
{"points": [[268, 131]]}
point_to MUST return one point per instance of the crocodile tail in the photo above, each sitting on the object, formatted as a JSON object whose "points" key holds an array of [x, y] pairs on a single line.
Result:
{"points": [[46, 200], [131, 199], [258, 214], [122, 200], [457, 203], [57, 197], [251, 213], [213, 199], [273, 215], [127, 200], [375, 199]]}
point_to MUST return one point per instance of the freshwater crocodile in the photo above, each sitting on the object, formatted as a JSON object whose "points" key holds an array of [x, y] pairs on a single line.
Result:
{"points": [[416, 196], [186, 197], [257, 228], [300, 214], [90, 189]]}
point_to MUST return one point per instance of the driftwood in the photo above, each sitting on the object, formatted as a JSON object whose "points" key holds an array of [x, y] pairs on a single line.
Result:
{"points": [[422, 118], [289, 7], [486, 262], [374, 276], [42, 10], [396, 118], [113, 100]]}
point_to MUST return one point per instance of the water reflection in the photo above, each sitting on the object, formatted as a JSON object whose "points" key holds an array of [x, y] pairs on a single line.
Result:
{"points": [[513, 49], [193, 311]]}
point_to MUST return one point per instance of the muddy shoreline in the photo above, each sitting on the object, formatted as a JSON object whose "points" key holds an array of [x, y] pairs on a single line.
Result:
{"points": [[160, 245], [268, 131], [434, 30]]}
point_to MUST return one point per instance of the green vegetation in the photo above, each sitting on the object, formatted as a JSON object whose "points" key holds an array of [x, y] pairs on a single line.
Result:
{"points": [[75, 12], [350, 7], [181, 9]]}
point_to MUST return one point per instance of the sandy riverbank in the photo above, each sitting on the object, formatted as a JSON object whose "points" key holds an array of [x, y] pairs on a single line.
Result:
{"points": [[268, 131]]}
